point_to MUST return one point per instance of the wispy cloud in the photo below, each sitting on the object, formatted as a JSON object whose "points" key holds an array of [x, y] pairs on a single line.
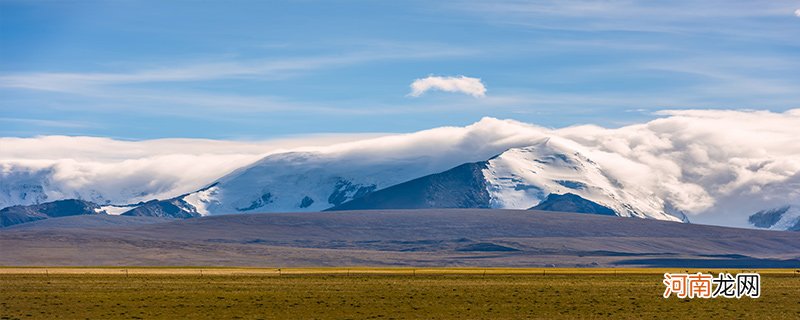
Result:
{"points": [[673, 17], [46, 123], [461, 84], [261, 69], [626, 8]]}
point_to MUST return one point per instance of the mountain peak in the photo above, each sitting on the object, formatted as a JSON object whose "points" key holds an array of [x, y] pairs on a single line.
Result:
{"points": [[521, 178], [570, 202], [60, 208]]}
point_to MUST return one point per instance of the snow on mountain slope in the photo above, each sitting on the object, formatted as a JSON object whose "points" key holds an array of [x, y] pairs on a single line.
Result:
{"points": [[783, 218], [461, 187], [789, 221], [318, 179], [302, 181], [107, 171], [22, 187], [115, 210], [520, 178]]}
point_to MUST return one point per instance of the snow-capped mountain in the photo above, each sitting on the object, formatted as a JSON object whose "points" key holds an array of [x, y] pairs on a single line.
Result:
{"points": [[117, 172], [461, 187], [61, 208], [783, 218], [516, 178], [25, 185], [521, 178], [681, 162], [291, 181], [300, 181]]}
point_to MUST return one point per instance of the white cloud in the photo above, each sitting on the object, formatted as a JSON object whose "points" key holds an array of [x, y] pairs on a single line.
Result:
{"points": [[797, 12], [90, 82], [717, 164], [45, 123], [678, 16], [118, 171], [462, 84]]}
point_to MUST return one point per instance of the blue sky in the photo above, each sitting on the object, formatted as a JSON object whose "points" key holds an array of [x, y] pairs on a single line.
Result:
{"points": [[264, 69]]}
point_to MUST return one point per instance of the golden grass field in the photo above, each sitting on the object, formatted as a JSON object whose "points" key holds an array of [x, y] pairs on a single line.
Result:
{"points": [[373, 293]]}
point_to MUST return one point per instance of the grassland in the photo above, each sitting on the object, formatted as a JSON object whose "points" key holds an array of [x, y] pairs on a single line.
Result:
{"points": [[372, 293]]}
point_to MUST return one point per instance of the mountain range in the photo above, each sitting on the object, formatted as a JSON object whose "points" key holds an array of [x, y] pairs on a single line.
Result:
{"points": [[477, 171], [519, 178], [61, 208], [546, 175]]}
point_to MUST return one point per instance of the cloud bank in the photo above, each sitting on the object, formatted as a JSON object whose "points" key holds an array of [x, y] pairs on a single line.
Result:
{"points": [[117, 171], [715, 164], [459, 84], [718, 166]]}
